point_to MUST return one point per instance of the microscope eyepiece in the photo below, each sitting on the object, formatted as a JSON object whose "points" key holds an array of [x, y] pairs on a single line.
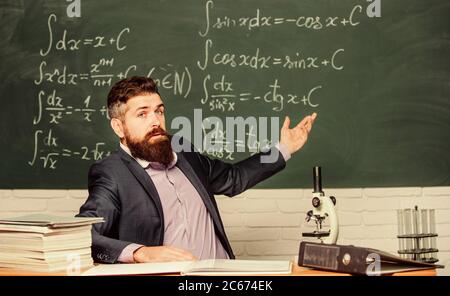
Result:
{"points": [[317, 177]]}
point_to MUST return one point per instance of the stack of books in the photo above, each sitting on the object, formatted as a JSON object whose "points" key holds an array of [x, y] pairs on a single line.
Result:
{"points": [[45, 243]]}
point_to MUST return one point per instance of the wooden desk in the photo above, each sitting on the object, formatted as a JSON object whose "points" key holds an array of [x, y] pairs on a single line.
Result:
{"points": [[301, 271], [296, 271]]}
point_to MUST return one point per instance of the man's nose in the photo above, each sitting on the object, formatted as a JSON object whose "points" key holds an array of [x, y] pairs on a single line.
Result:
{"points": [[155, 120]]}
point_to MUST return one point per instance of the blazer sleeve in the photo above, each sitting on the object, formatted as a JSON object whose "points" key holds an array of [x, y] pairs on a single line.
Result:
{"points": [[232, 179], [103, 202]]}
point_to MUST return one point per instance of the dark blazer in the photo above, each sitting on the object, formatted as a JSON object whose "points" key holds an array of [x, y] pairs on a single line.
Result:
{"points": [[121, 192]]}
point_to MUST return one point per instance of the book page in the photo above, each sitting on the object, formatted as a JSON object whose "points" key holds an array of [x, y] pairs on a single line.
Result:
{"points": [[228, 267], [137, 268], [202, 267], [50, 220]]}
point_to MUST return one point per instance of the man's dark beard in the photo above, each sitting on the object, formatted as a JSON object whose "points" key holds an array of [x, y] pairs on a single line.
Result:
{"points": [[160, 151]]}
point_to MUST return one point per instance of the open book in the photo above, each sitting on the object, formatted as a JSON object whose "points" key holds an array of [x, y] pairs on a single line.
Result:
{"points": [[202, 267], [237, 267]]}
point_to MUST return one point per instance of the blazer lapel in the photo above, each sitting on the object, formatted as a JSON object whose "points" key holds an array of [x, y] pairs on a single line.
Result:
{"points": [[145, 180]]}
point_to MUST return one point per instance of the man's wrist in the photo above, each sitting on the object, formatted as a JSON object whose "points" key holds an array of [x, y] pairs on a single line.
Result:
{"points": [[127, 255], [284, 151], [135, 253]]}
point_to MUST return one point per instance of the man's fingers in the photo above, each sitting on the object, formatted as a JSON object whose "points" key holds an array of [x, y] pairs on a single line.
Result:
{"points": [[286, 122], [307, 122], [179, 257], [181, 254], [301, 126], [162, 254], [303, 122], [311, 121], [173, 257]]}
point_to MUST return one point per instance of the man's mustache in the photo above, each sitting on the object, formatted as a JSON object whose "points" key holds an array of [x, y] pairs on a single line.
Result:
{"points": [[156, 131]]}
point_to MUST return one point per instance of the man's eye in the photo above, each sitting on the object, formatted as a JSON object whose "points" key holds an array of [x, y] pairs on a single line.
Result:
{"points": [[160, 112], [141, 114]]}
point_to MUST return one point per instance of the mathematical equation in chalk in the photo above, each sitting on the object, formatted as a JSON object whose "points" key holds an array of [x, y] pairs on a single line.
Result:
{"points": [[216, 143], [48, 150], [54, 105], [178, 81], [65, 43], [258, 61], [220, 95], [258, 20]]}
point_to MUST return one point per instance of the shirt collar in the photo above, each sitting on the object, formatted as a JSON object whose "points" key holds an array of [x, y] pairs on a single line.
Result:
{"points": [[146, 164]]}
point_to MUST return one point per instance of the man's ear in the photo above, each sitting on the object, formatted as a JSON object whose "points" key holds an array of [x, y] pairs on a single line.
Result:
{"points": [[118, 127]]}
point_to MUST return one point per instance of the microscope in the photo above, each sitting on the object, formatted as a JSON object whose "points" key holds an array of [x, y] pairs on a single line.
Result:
{"points": [[323, 208]]}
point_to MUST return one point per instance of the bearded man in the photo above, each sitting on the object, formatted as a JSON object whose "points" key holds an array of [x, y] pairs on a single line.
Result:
{"points": [[158, 204]]}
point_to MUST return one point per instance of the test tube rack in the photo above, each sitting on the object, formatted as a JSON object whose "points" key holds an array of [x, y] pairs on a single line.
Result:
{"points": [[417, 235]]}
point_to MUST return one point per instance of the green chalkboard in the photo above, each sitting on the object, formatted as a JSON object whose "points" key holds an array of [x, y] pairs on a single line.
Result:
{"points": [[376, 72]]}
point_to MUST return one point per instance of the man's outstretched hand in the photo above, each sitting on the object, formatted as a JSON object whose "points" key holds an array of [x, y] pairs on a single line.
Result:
{"points": [[161, 254], [294, 138]]}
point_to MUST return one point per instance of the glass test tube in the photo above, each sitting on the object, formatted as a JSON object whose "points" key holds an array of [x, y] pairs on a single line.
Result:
{"points": [[425, 230], [416, 231], [401, 231], [407, 224], [433, 230]]}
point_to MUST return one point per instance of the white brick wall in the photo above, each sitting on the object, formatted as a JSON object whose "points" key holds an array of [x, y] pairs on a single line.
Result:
{"points": [[267, 224]]}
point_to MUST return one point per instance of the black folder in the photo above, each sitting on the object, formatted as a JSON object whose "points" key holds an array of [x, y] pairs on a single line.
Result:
{"points": [[355, 260]]}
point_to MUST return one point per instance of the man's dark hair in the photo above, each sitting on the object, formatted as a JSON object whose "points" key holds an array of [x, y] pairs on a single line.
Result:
{"points": [[125, 89]]}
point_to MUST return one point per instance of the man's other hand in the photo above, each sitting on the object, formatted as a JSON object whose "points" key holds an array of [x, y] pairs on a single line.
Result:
{"points": [[294, 138], [161, 254]]}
